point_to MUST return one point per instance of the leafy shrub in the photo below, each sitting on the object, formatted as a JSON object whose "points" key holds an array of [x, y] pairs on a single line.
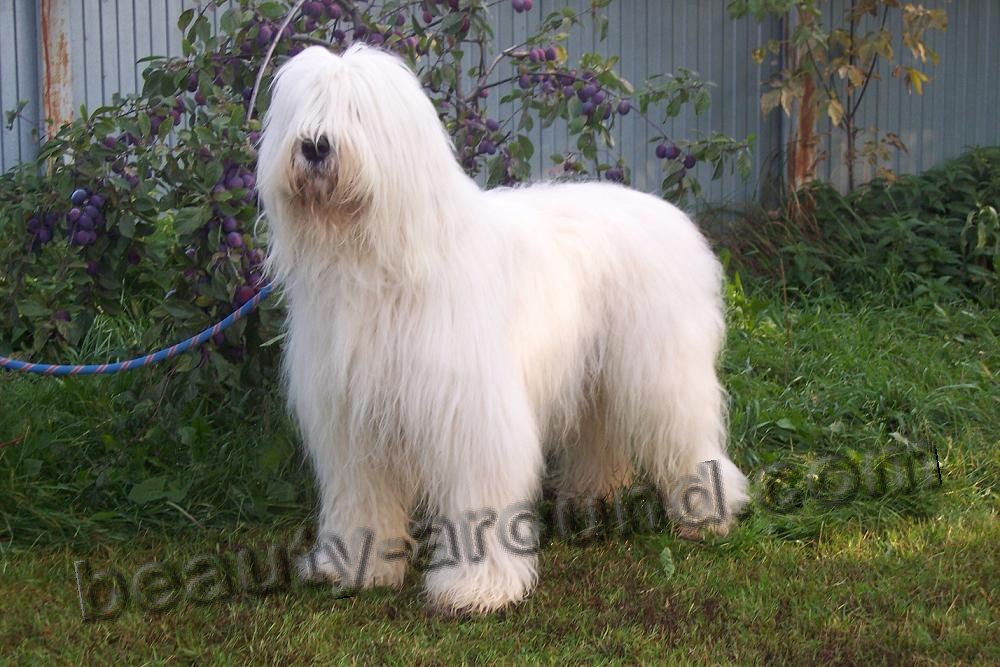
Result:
{"points": [[926, 235]]}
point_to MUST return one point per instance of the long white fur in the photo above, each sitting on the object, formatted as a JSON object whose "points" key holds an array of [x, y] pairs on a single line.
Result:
{"points": [[442, 339]]}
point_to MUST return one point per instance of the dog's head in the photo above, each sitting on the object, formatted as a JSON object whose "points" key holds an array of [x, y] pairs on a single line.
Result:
{"points": [[344, 133], [355, 162]]}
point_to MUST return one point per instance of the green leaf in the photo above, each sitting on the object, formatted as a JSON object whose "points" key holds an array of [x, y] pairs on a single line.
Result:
{"points": [[787, 424], [185, 363], [667, 563], [149, 490], [33, 310], [452, 21], [272, 10], [144, 124], [181, 310], [526, 149], [702, 102], [527, 122], [126, 225], [231, 20], [184, 20], [190, 219]]}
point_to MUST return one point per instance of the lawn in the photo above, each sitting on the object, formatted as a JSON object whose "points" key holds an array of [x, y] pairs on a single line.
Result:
{"points": [[97, 470]]}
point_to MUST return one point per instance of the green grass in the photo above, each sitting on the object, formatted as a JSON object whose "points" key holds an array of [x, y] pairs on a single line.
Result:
{"points": [[902, 578]]}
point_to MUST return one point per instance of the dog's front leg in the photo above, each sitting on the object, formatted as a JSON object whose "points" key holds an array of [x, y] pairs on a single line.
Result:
{"points": [[362, 539], [490, 466]]}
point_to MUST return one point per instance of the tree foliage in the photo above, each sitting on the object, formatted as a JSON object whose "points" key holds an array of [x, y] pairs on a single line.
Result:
{"points": [[830, 68]]}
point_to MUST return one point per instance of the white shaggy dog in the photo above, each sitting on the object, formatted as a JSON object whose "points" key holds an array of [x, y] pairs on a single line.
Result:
{"points": [[442, 340]]}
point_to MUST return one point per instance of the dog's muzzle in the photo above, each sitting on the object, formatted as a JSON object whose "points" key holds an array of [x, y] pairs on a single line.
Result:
{"points": [[315, 151]]}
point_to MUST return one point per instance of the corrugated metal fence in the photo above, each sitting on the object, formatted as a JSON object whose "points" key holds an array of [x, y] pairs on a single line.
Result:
{"points": [[959, 108]]}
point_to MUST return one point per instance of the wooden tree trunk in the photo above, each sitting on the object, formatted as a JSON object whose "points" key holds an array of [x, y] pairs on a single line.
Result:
{"points": [[802, 151], [802, 141]]}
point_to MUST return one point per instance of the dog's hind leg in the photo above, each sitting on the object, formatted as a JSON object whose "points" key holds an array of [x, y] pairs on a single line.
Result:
{"points": [[594, 461], [680, 440], [664, 396]]}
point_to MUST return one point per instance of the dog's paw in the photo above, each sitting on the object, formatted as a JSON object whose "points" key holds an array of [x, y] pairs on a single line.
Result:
{"points": [[483, 588], [697, 532], [314, 568], [450, 604], [692, 533]]}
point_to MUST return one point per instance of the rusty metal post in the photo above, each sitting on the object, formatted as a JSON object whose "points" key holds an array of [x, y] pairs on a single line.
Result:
{"points": [[57, 91]]}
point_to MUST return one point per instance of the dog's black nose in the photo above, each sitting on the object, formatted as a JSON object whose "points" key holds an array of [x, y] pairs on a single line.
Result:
{"points": [[316, 151]]}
